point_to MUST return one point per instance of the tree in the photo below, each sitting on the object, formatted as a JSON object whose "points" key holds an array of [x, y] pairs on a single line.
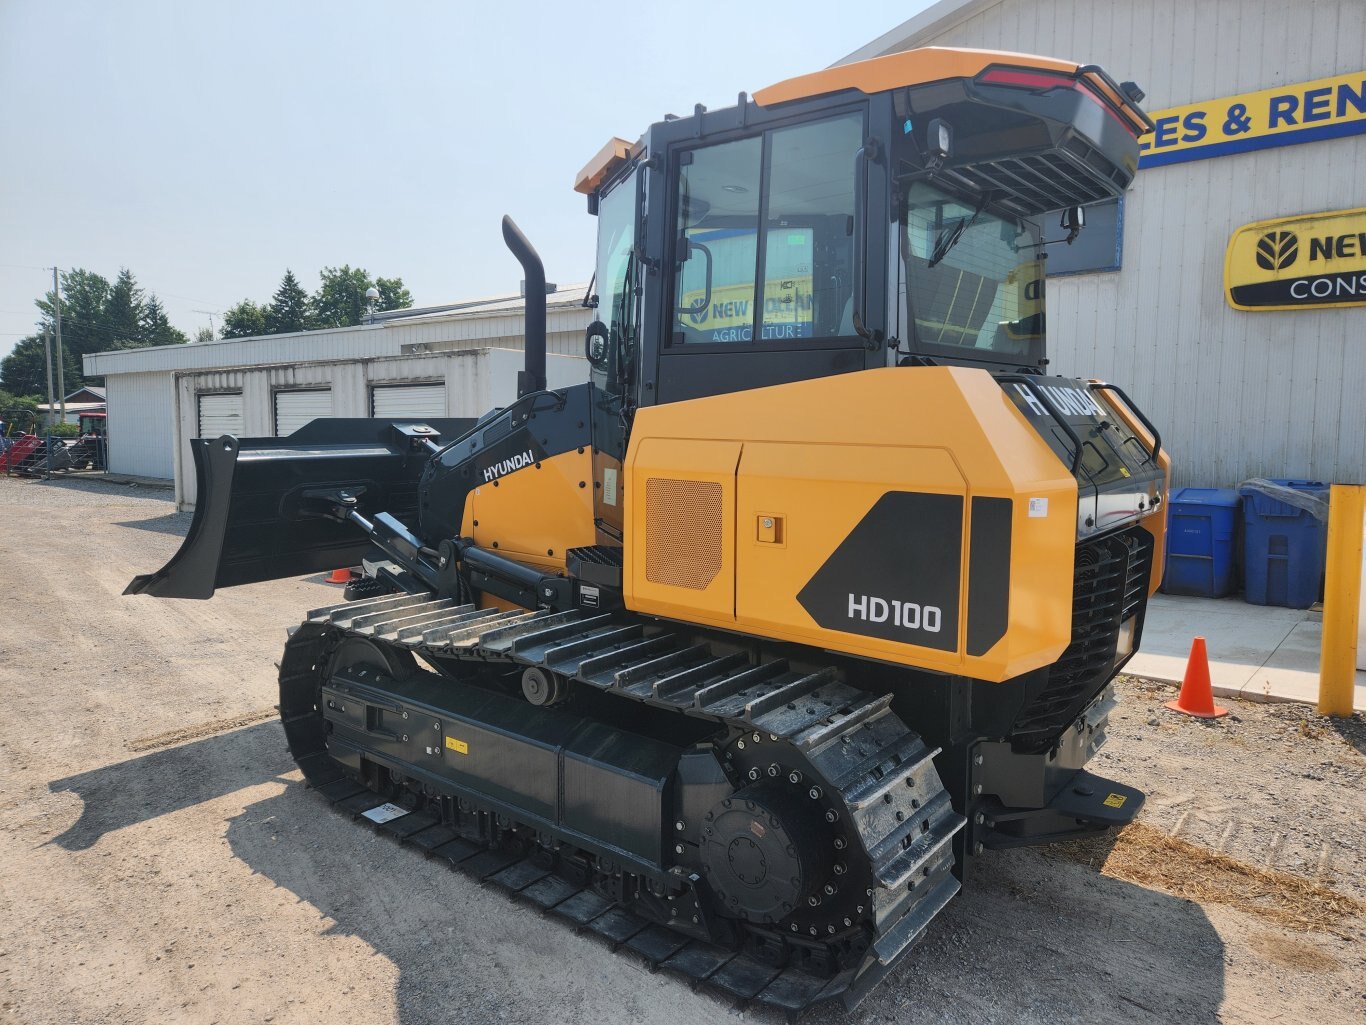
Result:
{"points": [[17, 411], [204, 334], [98, 317], [392, 294], [24, 370], [122, 311], [340, 299], [154, 326], [245, 319], [289, 308], [85, 295]]}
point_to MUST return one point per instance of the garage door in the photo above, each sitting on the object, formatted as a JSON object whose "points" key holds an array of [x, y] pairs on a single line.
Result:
{"points": [[293, 409], [220, 414], [402, 401]]}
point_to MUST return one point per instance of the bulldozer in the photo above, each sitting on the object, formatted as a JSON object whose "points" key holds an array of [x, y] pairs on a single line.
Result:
{"points": [[742, 651]]}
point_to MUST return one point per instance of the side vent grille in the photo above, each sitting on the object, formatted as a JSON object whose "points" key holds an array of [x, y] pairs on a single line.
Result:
{"points": [[682, 532]]}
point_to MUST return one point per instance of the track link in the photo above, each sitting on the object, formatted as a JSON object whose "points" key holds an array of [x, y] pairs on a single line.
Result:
{"points": [[870, 771]]}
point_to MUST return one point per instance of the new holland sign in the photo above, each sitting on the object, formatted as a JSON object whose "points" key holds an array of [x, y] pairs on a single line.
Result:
{"points": [[1294, 263], [1327, 108]]}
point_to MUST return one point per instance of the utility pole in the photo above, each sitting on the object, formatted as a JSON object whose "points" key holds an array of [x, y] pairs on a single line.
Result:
{"points": [[47, 352], [61, 363]]}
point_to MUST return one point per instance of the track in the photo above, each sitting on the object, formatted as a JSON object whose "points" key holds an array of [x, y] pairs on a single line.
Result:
{"points": [[842, 749]]}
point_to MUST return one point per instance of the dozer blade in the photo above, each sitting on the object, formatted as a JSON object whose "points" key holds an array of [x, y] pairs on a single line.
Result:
{"points": [[257, 513]]}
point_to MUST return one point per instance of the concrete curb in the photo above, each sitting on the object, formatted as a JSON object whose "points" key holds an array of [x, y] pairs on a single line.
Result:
{"points": [[1239, 694]]}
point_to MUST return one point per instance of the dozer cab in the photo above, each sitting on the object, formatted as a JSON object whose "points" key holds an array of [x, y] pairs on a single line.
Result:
{"points": [[740, 651]]}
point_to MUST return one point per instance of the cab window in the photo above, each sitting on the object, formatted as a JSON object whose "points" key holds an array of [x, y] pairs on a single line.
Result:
{"points": [[616, 285], [765, 240]]}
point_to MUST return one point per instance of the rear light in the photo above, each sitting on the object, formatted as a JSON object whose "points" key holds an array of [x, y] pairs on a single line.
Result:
{"points": [[1042, 81], [1027, 79]]}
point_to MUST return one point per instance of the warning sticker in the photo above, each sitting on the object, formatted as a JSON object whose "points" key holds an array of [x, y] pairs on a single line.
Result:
{"points": [[1115, 801], [458, 746], [385, 813]]}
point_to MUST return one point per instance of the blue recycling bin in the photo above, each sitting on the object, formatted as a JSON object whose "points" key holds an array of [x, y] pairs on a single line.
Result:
{"points": [[1201, 523], [1284, 547]]}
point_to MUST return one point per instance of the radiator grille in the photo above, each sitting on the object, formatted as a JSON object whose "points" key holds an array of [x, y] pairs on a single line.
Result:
{"points": [[682, 532], [1110, 584]]}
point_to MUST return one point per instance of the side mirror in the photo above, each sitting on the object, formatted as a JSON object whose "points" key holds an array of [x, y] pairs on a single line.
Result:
{"points": [[1073, 219], [595, 345]]}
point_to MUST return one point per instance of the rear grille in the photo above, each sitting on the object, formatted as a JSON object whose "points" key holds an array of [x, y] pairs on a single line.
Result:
{"points": [[1110, 584]]}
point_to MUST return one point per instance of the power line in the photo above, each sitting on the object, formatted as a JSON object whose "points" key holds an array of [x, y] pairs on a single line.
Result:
{"points": [[148, 286]]}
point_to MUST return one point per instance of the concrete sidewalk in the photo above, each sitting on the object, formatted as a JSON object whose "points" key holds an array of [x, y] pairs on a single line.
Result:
{"points": [[1256, 652]]}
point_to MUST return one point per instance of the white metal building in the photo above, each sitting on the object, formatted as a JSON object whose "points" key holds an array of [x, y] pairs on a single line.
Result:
{"points": [[1236, 394], [457, 361]]}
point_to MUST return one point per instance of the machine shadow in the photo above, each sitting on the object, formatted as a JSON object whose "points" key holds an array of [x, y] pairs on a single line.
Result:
{"points": [[1041, 935], [1035, 937], [172, 523], [160, 782], [1352, 730]]}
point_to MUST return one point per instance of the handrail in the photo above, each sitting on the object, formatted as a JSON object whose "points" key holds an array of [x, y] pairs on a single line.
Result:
{"points": [[1047, 401], [1133, 408], [1129, 107]]}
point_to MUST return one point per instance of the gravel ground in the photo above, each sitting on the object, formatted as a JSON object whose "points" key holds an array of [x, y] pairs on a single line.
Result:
{"points": [[163, 863]]}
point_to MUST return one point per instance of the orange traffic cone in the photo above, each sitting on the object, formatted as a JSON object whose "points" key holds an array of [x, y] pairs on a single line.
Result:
{"points": [[340, 576], [1197, 698]]}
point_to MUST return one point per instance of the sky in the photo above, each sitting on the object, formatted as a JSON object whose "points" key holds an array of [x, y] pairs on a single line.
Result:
{"points": [[207, 147]]}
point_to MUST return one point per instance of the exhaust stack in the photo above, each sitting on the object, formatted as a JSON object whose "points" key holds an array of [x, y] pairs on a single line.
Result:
{"points": [[532, 379]]}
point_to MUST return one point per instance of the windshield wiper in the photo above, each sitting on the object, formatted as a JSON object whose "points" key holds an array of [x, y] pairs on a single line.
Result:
{"points": [[950, 236]]}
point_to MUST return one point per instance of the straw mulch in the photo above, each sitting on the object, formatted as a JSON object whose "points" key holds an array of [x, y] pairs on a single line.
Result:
{"points": [[1149, 857]]}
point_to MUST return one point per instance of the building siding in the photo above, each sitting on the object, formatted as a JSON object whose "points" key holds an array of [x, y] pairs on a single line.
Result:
{"points": [[565, 324], [476, 381], [1236, 394], [142, 433]]}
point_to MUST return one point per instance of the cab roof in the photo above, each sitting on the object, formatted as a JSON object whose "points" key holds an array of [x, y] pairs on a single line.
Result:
{"points": [[883, 74]]}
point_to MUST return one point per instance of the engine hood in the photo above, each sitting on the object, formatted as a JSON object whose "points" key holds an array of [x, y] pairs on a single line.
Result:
{"points": [[1112, 449]]}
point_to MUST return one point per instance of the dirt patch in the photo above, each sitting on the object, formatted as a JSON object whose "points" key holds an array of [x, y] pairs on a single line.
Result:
{"points": [[206, 729], [1292, 953], [1146, 855]]}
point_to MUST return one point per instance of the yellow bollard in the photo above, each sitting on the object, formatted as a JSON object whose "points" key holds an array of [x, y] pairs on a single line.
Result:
{"points": [[1341, 599]]}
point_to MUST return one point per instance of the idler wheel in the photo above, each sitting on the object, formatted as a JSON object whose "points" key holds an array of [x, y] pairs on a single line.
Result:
{"points": [[542, 687], [395, 663], [762, 853]]}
